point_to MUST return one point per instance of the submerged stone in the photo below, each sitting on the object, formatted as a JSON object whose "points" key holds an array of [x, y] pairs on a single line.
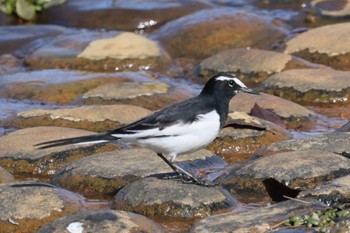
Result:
{"points": [[10, 64], [333, 8], [15, 37]]}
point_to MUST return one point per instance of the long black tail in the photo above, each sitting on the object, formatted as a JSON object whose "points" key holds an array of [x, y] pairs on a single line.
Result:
{"points": [[96, 138]]}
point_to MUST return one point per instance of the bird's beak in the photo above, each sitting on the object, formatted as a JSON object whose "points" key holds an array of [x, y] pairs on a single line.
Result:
{"points": [[248, 90]]}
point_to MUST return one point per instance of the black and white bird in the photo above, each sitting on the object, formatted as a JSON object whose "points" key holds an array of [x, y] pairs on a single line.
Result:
{"points": [[177, 129]]}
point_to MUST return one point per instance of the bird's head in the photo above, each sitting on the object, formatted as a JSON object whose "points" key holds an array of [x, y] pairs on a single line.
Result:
{"points": [[226, 86]]}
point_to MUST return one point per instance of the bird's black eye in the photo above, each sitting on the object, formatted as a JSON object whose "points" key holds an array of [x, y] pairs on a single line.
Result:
{"points": [[231, 83]]}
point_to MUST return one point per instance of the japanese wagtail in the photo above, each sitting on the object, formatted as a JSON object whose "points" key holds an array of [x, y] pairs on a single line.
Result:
{"points": [[177, 129]]}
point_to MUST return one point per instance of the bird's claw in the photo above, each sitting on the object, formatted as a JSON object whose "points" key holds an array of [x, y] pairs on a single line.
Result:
{"points": [[191, 179], [203, 182]]}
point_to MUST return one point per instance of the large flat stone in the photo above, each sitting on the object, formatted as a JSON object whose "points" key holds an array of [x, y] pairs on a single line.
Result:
{"points": [[336, 191], [243, 135], [294, 115], [121, 15], [327, 45], [233, 28], [98, 51], [257, 220], [19, 155], [99, 118], [26, 206], [310, 86], [48, 85], [300, 169], [338, 143], [155, 197], [102, 221], [98, 173], [252, 66]]}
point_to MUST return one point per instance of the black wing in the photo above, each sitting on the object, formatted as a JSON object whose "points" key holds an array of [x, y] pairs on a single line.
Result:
{"points": [[185, 112]]}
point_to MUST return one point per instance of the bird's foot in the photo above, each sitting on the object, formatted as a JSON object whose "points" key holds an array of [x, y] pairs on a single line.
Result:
{"points": [[199, 181], [189, 179], [173, 176]]}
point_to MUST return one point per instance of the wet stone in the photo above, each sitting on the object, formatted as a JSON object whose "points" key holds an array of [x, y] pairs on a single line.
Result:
{"points": [[233, 28], [18, 154], [327, 45], [63, 87], [10, 107], [26, 206], [127, 90], [243, 135], [98, 173], [333, 8], [143, 15], [258, 219], [300, 169], [292, 114], [10, 64], [5, 176], [155, 197], [49, 85], [98, 51], [331, 192], [126, 45], [336, 142], [310, 86], [149, 95], [252, 66], [94, 118], [14, 37], [102, 221]]}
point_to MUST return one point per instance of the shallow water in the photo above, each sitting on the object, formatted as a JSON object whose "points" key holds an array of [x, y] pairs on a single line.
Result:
{"points": [[328, 119]]}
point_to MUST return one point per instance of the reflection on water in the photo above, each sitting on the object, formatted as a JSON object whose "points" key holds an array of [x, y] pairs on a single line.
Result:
{"points": [[9, 107], [323, 125]]}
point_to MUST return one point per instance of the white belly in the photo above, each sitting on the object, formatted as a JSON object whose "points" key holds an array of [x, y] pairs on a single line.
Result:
{"points": [[186, 137]]}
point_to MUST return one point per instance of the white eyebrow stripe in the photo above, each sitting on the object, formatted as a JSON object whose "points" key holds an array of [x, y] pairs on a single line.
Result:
{"points": [[239, 82], [224, 78], [236, 80]]}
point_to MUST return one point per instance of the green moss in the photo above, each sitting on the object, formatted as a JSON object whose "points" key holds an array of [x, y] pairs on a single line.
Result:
{"points": [[321, 219]]}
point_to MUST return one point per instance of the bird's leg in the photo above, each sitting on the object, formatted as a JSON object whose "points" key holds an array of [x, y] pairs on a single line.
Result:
{"points": [[184, 175]]}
